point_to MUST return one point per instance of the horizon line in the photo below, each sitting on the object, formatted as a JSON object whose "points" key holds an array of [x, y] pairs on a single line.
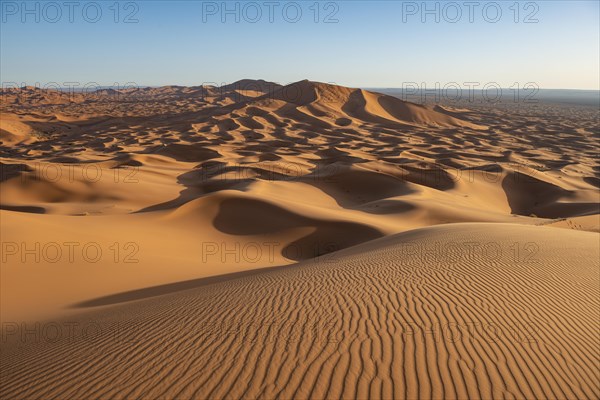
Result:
{"points": [[131, 84]]}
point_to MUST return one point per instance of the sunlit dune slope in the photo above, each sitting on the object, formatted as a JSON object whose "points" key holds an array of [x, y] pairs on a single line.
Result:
{"points": [[456, 311]]}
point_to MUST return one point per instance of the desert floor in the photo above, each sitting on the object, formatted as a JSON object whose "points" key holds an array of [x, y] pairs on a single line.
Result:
{"points": [[302, 241]]}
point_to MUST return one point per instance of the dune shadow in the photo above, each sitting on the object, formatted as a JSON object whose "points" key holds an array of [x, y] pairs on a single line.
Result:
{"points": [[198, 183], [328, 239], [242, 217], [24, 209], [9, 171], [591, 180], [160, 290], [528, 195]]}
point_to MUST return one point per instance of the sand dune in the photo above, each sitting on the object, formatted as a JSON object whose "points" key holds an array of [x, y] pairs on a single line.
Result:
{"points": [[13, 131], [337, 105], [388, 319], [257, 240]]}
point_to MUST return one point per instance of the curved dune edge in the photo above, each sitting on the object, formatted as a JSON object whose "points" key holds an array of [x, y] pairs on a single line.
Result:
{"points": [[454, 311], [303, 170]]}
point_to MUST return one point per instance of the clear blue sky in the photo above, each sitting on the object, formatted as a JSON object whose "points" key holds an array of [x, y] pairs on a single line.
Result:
{"points": [[372, 44]]}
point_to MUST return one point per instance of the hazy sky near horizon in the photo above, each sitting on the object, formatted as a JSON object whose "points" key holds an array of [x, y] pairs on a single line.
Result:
{"points": [[554, 44]]}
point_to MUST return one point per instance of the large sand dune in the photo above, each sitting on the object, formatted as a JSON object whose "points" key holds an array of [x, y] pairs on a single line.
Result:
{"points": [[505, 311], [308, 240]]}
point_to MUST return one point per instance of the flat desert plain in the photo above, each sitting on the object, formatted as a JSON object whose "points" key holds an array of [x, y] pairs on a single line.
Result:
{"points": [[303, 241]]}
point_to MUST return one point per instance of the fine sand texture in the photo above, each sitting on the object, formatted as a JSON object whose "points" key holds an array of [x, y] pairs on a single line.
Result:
{"points": [[387, 319], [309, 240]]}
